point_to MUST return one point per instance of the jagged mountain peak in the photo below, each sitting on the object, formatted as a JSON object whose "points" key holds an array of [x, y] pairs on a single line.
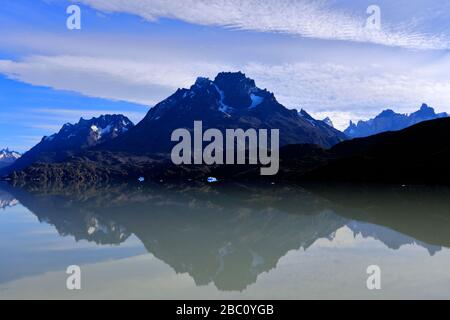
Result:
{"points": [[386, 113], [8, 157], [389, 120], [230, 93], [328, 121], [424, 111], [72, 138], [314, 122], [236, 79], [94, 130], [239, 92], [305, 114], [231, 100], [201, 82], [7, 153]]}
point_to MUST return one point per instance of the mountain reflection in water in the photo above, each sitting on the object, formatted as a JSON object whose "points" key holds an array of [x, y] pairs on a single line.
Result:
{"points": [[230, 234]]}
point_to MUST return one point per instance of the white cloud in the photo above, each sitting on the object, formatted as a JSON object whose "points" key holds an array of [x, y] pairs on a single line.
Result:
{"points": [[306, 18], [112, 78], [343, 92]]}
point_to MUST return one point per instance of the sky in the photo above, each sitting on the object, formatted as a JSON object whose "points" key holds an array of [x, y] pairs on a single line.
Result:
{"points": [[131, 54]]}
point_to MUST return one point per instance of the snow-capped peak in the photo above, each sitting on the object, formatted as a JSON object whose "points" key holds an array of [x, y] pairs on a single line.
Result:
{"points": [[7, 154]]}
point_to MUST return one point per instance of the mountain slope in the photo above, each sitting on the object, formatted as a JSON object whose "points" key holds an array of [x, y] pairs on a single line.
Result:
{"points": [[388, 120], [230, 101], [72, 138]]}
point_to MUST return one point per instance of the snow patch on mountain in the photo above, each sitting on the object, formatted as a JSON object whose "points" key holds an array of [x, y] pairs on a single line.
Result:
{"points": [[256, 101], [8, 157], [222, 106]]}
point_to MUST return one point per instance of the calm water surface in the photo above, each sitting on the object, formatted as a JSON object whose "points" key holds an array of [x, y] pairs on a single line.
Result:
{"points": [[225, 241]]}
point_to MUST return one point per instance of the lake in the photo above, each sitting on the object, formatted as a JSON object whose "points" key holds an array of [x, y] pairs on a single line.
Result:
{"points": [[224, 241]]}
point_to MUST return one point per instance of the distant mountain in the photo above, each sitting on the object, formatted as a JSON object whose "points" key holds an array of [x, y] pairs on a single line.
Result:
{"points": [[328, 121], [8, 157], [72, 138], [388, 120], [325, 124], [230, 101]]}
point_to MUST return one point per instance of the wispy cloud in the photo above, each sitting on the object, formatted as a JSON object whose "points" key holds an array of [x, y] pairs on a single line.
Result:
{"points": [[117, 79], [76, 113], [341, 90], [346, 92], [306, 18]]}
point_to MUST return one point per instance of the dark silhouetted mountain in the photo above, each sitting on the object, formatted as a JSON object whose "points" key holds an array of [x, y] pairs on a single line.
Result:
{"points": [[231, 101], [418, 154], [72, 138], [388, 120], [8, 157]]}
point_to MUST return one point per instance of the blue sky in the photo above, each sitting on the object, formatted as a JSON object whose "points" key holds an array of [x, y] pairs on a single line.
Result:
{"points": [[131, 54]]}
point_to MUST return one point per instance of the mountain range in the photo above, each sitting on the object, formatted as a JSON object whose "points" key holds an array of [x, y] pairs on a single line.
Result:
{"points": [[417, 155], [112, 148], [8, 157], [389, 120], [230, 101]]}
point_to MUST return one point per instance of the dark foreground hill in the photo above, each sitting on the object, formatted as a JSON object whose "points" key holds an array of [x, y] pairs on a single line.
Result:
{"points": [[419, 154]]}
